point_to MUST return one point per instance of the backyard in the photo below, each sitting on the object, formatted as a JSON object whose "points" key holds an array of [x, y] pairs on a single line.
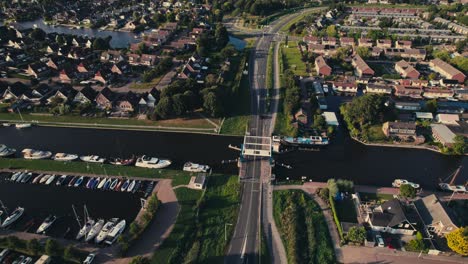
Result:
{"points": [[292, 59]]}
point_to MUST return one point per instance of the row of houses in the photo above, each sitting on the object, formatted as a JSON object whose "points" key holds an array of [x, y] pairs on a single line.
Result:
{"points": [[362, 42], [104, 99]]}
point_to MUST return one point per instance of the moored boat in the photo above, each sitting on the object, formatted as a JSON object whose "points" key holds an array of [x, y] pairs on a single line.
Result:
{"points": [[37, 178], [115, 232], [137, 186], [90, 183], [36, 154], [399, 182], [122, 162], [114, 184], [15, 175], [26, 177], [61, 180], [305, 141], [152, 163], [101, 183], [125, 186], [13, 217], [72, 181], [79, 182], [44, 179], [452, 188], [46, 224], [97, 227], [131, 186], [194, 167], [65, 157], [93, 159], [6, 151], [96, 183], [21, 176], [85, 229], [107, 184], [105, 230], [23, 125], [50, 180]]}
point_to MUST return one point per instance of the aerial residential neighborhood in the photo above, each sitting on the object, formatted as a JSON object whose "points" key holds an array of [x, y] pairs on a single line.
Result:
{"points": [[259, 131]]}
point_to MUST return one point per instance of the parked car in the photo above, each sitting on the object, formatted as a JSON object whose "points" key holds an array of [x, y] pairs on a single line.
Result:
{"points": [[380, 241], [89, 259]]}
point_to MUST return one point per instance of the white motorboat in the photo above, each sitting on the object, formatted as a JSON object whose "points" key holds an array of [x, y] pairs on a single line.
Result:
{"points": [[114, 184], [452, 188], [97, 227], [399, 182], [105, 230], [37, 178], [13, 217], [115, 232], [101, 183], [27, 177], [152, 163], [93, 159], [85, 229], [6, 124], [46, 224], [36, 154], [15, 175], [44, 179], [23, 125], [6, 151], [131, 186], [50, 180], [194, 167], [65, 157], [21, 176]]}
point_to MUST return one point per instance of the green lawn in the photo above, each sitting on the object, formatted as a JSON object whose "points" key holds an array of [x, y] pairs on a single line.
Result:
{"points": [[148, 85], [376, 134], [346, 211], [283, 125], [303, 228], [235, 125], [179, 177], [198, 235], [292, 59], [376, 197]]}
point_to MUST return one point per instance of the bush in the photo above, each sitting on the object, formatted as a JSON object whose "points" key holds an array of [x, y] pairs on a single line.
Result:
{"points": [[407, 191], [324, 194], [356, 234]]}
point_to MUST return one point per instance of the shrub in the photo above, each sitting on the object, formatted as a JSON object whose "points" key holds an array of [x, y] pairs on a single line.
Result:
{"points": [[356, 234], [407, 191]]}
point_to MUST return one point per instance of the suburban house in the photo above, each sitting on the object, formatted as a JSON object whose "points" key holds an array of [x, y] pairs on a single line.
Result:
{"points": [[301, 116], [112, 56], [365, 42], [65, 76], [384, 43], [126, 102], [148, 59], [322, 67], [105, 99], [443, 134], [37, 70], [85, 96], [148, 100], [329, 41], [361, 67], [120, 68], [403, 44], [379, 88], [390, 217], [402, 130], [437, 92], [406, 70], [64, 94], [418, 54], [434, 215], [408, 91], [447, 70], [345, 86], [56, 62], [448, 119], [347, 42], [14, 91]]}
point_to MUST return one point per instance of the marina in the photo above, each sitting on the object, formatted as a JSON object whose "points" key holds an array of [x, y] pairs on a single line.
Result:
{"points": [[32, 212]]}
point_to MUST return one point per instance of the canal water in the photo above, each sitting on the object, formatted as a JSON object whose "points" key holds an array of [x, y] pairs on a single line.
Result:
{"points": [[119, 39], [344, 158], [41, 201]]}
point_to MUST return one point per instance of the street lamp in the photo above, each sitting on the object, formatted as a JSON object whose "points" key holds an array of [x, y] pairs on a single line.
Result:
{"points": [[225, 230]]}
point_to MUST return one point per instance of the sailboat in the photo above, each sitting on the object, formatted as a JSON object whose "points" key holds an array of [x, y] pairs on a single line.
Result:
{"points": [[23, 124], [451, 187]]}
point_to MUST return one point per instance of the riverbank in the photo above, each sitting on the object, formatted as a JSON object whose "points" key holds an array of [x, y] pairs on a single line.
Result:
{"points": [[89, 169], [387, 145]]}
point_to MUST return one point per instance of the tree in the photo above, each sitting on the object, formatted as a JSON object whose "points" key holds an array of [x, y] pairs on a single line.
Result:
{"points": [[191, 100], [458, 241], [70, 253], [52, 248], [331, 31], [221, 36], [179, 104], [164, 108], [363, 52], [101, 44], [431, 105], [34, 247], [407, 191], [459, 146], [38, 34], [356, 234], [319, 122], [212, 105], [332, 187], [135, 229], [228, 51], [140, 260]]}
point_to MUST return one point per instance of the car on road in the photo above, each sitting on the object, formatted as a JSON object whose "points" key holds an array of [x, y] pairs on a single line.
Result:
{"points": [[89, 259], [380, 241]]}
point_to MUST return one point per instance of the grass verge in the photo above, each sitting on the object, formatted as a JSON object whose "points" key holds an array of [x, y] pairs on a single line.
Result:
{"points": [[178, 177], [293, 59], [302, 227], [198, 235]]}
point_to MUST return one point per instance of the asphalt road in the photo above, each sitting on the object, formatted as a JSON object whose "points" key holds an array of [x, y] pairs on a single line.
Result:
{"points": [[246, 241]]}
